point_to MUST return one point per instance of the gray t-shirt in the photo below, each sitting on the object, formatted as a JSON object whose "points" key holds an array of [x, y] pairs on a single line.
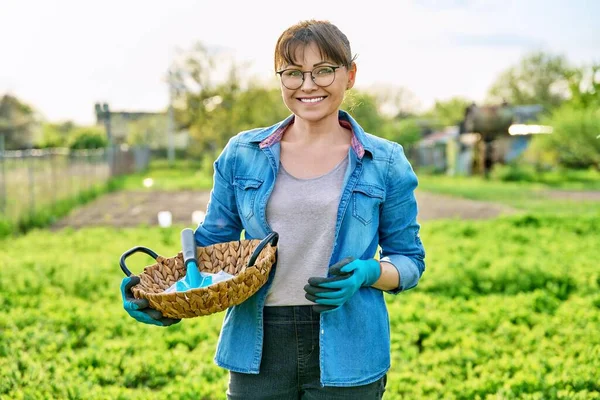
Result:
{"points": [[303, 212]]}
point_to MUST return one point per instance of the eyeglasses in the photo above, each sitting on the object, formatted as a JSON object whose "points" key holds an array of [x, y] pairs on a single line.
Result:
{"points": [[293, 78]]}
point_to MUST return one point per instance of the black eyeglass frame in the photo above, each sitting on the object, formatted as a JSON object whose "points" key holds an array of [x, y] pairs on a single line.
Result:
{"points": [[335, 68]]}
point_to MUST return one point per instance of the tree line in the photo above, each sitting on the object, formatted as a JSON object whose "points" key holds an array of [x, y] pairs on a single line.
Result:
{"points": [[214, 99]]}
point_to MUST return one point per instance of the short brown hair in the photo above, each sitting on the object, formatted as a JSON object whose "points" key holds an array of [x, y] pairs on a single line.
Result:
{"points": [[332, 43]]}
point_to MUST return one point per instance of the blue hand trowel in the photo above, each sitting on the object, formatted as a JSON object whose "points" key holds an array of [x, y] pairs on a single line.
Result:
{"points": [[193, 279]]}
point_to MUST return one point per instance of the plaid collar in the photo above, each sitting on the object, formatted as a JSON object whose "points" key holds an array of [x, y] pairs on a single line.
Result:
{"points": [[276, 136]]}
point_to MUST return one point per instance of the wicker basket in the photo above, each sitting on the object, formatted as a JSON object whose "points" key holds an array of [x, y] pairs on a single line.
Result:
{"points": [[249, 261]]}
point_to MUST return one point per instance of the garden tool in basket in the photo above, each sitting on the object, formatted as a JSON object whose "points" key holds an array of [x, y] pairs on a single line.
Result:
{"points": [[193, 278], [204, 280]]}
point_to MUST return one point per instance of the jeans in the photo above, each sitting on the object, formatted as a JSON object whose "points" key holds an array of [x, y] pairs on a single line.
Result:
{"points": [[289, 367]]}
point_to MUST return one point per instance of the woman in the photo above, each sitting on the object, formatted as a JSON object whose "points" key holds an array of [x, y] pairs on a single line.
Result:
{"points": [[319, 328]]}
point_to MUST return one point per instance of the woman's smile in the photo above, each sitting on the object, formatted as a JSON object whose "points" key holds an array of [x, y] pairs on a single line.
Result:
{"points": [[312, 100]]}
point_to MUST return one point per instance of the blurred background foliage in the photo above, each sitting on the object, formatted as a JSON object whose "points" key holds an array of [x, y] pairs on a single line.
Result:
{"points": [[214, 98]]}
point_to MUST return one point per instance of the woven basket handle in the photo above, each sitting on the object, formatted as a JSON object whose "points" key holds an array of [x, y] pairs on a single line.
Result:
{"points": [[272, 238], [132, 251]]}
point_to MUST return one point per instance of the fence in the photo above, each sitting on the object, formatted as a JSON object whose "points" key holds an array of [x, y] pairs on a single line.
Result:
{"points": [[35, 179]]}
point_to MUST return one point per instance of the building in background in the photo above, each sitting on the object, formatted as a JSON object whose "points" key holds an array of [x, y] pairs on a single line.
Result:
{"points": [[488, 134], [139, 128]]}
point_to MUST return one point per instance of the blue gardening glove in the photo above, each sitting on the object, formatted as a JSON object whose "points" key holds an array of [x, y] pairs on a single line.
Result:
{"points": [[139, 308], [348, 276]]}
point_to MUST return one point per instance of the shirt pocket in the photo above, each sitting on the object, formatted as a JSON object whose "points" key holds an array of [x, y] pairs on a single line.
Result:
{"points": [[246, 190], [366, 200]]}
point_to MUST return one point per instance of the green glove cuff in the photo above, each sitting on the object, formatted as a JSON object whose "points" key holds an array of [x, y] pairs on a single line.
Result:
{"points": [[369, 270]]}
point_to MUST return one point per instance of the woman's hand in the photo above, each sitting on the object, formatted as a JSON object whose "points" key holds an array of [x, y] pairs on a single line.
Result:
{"points": [[139, 309], [349, 275]]}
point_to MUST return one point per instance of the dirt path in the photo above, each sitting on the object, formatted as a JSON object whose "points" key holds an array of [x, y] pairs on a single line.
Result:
{"points": [[135, 208], [573, 195], [436, 206], [131, 208]]}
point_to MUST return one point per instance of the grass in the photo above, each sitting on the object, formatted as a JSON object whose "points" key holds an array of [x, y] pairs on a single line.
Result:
{"points": [[47, 214], [182, 175], [507, 308], [558, 178], [503, 311], [526, 196], [56, 202]]}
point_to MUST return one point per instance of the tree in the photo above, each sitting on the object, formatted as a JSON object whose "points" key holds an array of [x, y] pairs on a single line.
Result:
{"points": [[539, 78], [575, 142], [17, 123], [574, 138], [258, 106], [55, 134], [406, 132], [215, 106], [149, 130], [448, 112], [394, 101], [88, 137], [364, 108], [584, 86]]}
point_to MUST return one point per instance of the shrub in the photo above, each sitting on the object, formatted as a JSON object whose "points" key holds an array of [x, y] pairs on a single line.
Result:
{"points": [[88, 138], [575, 138]]}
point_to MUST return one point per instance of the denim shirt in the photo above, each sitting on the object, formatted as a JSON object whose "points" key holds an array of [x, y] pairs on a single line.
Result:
{"points": [[377, 208]]}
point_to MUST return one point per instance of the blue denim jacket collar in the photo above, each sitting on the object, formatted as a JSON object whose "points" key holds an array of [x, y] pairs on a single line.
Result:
{"points": [[272, 135]]}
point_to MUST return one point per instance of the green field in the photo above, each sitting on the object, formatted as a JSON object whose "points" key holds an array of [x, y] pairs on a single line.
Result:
{"points": [[508, 308], [181, 175], [522, 196], [37, 184]]}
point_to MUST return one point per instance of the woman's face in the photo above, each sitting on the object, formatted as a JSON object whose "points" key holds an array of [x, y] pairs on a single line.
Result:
{"points": [[311, 102]]}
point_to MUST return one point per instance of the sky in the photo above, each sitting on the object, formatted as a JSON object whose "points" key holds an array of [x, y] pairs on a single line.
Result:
{"points": [[62, 56]]}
